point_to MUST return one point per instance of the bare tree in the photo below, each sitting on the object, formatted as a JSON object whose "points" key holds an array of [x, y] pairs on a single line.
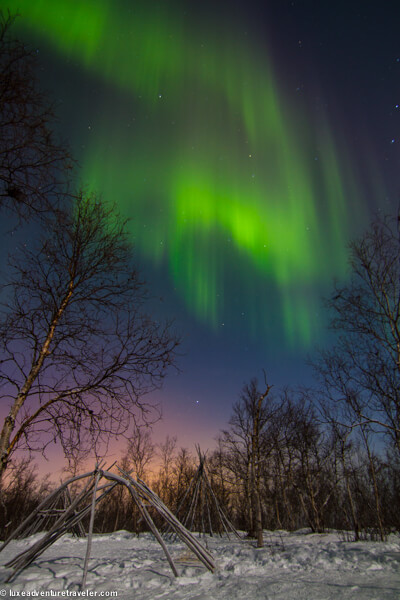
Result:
{"points": [[313, 480], [344, 469], [164, 480], [183, 471], [32, 162], [363, 369], [20, 492], [78, 352], [139, 452], [246, 442]]}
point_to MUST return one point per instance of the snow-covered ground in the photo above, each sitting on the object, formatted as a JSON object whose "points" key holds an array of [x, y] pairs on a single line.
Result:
{"points": [[299, 566]]}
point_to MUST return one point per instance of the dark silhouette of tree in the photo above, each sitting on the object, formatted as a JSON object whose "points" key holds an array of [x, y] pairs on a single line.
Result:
{"points": [[362, 371], [246, 443], [78, 352], [139, 453], [20, 492], [33, 163], [163, 484]]}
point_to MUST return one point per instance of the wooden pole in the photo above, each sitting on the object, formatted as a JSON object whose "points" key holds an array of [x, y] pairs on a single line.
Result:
{"points": [[90, 532]]}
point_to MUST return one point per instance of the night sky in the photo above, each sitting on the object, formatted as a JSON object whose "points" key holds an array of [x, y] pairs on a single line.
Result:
{"points": [[248, 142]]}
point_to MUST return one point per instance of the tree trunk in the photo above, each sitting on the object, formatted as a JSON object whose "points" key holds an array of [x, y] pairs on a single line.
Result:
{"points": [[6, 444]]}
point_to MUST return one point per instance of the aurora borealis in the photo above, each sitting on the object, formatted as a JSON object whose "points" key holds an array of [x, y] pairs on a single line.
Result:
{"points": [[243, 190], [217, 166]]}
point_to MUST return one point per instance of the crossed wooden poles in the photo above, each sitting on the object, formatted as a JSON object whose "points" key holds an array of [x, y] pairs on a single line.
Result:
{"points": [[98, 484], [199, 508]]}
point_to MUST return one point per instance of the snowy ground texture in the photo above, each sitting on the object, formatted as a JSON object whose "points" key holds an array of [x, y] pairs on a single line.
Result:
{"points": [[300, 566]]}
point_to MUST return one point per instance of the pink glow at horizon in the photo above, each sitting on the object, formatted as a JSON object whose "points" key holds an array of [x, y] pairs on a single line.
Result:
{"points": [[190, 425]]}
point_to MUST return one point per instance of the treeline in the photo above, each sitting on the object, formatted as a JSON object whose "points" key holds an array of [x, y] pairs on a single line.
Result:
{"points": [[305, 470], [308, 474]]}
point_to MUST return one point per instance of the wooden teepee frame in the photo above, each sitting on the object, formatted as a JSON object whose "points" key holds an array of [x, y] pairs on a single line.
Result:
{"points": [[54, 506], [199, 508], [98, 484]]}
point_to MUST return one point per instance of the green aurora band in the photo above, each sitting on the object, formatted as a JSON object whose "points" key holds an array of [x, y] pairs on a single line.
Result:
{"points": [[240, 193]]}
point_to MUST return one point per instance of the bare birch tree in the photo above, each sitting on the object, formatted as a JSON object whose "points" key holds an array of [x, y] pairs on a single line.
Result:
{"points": [[246, 442], [139, 453], [78, 351], [363, 369]]}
